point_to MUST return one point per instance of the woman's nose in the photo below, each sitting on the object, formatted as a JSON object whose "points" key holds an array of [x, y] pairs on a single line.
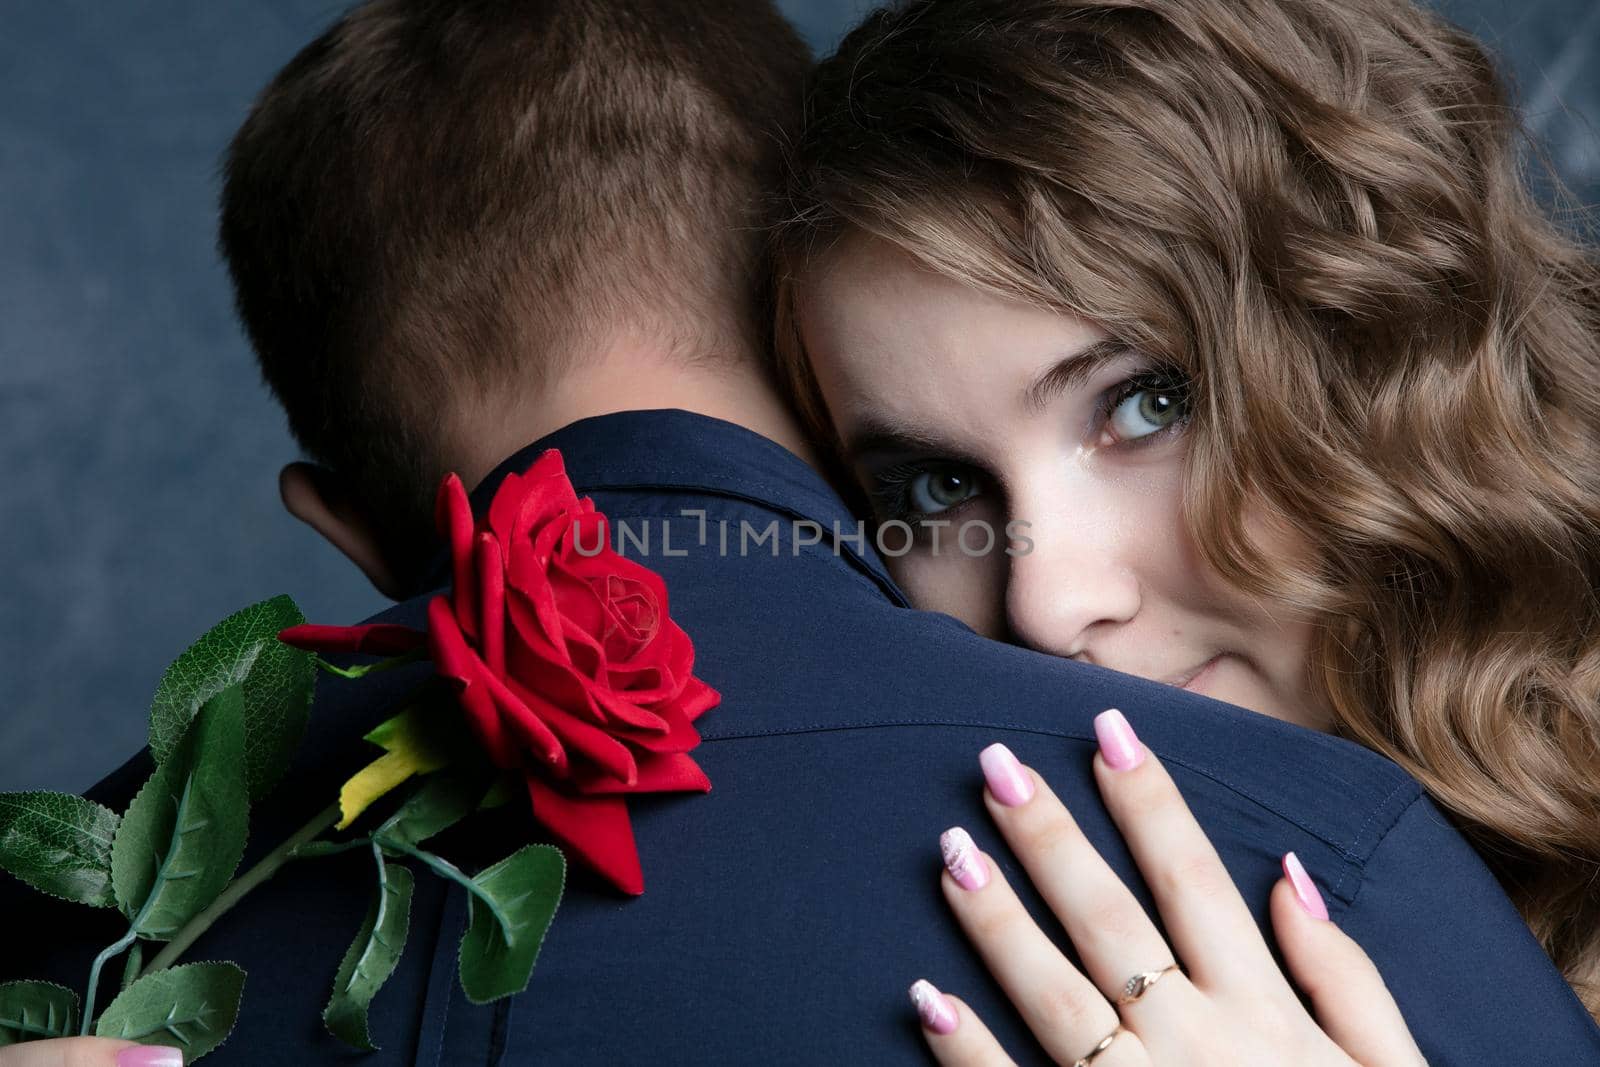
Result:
{"points": [[1072, 585]]}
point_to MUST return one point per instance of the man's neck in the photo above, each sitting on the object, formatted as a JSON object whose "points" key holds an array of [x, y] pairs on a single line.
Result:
{"points": [[629, 378]]}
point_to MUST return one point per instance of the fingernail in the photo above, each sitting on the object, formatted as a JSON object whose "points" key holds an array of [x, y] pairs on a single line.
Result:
{"points": [[150, 1056], [962, 859], [1305, 890], [1007, 780], [1118, 743], [934, 1008]]}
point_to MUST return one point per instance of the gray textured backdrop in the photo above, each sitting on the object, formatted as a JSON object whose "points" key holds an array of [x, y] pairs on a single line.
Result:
{"points": [[140, 452]]}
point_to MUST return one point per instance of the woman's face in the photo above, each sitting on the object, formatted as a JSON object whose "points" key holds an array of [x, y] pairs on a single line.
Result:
{"points": [[961, 408]]}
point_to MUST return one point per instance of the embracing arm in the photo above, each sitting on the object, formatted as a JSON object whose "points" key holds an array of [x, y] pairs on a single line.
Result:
{"points": [[1452, 947]]}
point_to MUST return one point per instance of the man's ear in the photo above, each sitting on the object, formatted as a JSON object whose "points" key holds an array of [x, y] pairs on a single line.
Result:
{"points": [[317, 497]]}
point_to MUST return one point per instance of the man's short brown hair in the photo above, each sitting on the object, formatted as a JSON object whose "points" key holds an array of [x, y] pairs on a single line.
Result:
{"points": [[436, 197]]}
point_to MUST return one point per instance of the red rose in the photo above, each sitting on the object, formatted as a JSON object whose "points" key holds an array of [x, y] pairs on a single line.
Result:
{"points": [[567, 662]]}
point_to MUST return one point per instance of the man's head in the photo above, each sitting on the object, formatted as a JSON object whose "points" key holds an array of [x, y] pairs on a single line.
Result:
{"points": [[438, 208]]}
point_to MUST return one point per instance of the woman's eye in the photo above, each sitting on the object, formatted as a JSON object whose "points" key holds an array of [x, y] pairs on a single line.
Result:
{"points": [[940, 489], [921, 488], [1147, 408]]}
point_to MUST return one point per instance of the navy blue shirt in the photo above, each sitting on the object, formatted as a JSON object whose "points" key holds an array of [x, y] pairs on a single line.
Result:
{"points": [[786, 911]]}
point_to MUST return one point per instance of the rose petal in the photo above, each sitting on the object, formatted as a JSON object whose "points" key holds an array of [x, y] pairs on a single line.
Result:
{"points": [[491, 707], [697, 698], [579, 737], [660, 671], [583, 619], [506, 506], [485, 720], [645, 687], [609, 568], [491, 603], [551, 484], [530, 518], [548, 501], [528, 724], [453, 512], [535, 666], [672, 772], [595, 829], [631, 618], [373, 639], [679, 658], [457, 662], [531, 590], [681, 735], [622, 710], [540, 746]]}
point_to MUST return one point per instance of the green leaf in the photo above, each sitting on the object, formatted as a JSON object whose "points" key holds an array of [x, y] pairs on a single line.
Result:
{"points": [[33, 1010], [505, 789], [419, 740], [184, 833], [442, 800], [278, 681], [192, 1008], [60, 844], [371, 958], [526, 886], [132, 965]]}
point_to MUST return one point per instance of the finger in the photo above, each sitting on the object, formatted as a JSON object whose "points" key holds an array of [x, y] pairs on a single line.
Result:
{"points": [[1064, 1011], [959, 1038], [88, 1052], [1212, 930], [1114, 936], [954, 1032], [1347, 993]]}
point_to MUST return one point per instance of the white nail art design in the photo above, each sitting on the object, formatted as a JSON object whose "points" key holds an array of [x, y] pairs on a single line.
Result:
{"points": [[961, 858]]}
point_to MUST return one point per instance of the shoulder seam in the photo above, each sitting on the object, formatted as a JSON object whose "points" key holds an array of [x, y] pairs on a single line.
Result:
{"points": [[1361, 865], [1346, 850]]}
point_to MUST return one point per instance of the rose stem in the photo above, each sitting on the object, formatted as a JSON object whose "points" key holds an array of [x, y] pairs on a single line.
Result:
{"points": [[236, 889]]}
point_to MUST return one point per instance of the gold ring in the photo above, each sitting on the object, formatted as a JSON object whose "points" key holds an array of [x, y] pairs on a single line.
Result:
{"points": [[1140, 984], [1105, 1043]]}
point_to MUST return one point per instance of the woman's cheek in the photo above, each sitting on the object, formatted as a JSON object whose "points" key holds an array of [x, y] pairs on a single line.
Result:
{"points": [[958, 580]]}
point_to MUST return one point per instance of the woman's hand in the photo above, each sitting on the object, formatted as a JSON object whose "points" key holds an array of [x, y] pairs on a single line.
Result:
{"points": [[1228, 1004], [88, 1052]]}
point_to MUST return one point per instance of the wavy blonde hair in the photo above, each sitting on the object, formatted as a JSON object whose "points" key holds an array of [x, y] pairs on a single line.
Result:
{"points": [[1315, 208]]}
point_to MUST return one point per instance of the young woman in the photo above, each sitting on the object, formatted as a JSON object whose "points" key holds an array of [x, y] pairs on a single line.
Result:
{"points": [[1242, 308]]}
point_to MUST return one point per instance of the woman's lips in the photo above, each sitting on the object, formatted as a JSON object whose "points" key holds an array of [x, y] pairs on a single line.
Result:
{"points": [[1195, 676]]}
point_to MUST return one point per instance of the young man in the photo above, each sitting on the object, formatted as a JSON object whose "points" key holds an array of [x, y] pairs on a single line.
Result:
{"points": [[456, 229]]}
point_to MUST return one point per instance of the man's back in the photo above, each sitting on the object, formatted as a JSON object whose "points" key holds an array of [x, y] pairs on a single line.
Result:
{"points": [[786, 911]]}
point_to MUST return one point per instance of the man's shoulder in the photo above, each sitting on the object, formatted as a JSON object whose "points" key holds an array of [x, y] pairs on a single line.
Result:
{"points": [[799, 654]]}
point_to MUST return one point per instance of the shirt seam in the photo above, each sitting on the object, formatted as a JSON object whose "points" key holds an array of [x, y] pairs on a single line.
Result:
{"points": [[1361, 881], [1345, 852], [444, 1014]]}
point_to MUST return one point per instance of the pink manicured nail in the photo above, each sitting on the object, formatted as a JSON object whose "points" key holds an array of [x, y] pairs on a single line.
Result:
{"points": [[962, 859], [1118, 743], [935, 1009], [150, 1056], [1007, 780], [1305, 890]]}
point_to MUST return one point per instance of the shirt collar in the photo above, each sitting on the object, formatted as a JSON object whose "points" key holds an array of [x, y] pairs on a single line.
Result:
{"points": [[675, 450]]}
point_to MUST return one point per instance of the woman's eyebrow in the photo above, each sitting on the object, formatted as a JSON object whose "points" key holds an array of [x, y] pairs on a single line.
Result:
{"points": [[1072, 371], [883, 434]]}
